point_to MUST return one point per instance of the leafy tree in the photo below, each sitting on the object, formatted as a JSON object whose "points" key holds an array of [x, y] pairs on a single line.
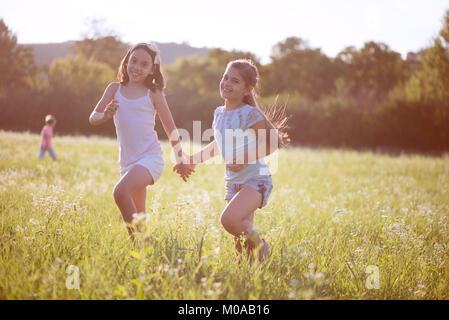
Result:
{"points": [[201, 76], [300, 70], [16, 62], [76, 85], [373, 71], [221, 57], [288, 46], [101, 45], [431, 84], [444, 32]]}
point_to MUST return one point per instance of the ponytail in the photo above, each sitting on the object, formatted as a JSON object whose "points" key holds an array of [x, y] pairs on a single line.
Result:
{"points": [[250, 99], [156, 80], [275, 118]]}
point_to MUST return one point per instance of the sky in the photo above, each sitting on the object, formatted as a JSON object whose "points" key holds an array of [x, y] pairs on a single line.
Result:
{"points": [[255, 26]]}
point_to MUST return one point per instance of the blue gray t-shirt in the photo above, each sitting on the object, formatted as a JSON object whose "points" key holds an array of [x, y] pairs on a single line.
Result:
{"points": [[234, 137]]}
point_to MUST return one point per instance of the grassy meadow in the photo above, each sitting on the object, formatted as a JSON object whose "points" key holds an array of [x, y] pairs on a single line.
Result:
{"points": [[333, 217]]}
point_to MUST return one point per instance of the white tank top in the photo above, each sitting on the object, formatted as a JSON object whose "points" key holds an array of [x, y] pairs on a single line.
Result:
{"points": [[134, 124]]}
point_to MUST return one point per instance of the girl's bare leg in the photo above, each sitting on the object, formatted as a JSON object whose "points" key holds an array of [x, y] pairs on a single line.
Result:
{"points": [[237, 240], [139, 198], [129, 187], [238, 216]]}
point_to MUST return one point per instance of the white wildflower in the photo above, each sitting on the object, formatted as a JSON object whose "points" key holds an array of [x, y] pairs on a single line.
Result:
{"points": [[34, 221], [294, 282]]}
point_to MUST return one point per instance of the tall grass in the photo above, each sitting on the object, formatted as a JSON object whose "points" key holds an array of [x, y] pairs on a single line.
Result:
{"points": [[332, 213]]}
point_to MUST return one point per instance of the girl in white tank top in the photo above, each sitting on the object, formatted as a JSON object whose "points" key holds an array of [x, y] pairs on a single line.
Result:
{"points": [[133, 103], [134, 124]]}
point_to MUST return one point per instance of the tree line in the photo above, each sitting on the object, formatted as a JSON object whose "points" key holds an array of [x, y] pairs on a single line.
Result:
{"points": [[363, 98]]}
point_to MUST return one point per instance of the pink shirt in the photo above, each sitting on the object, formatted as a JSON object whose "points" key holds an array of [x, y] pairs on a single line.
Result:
{"points": [[47, 135]]}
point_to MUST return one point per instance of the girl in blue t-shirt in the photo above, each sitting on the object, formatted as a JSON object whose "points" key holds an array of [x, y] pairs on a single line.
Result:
{"points": [[243, 136]]}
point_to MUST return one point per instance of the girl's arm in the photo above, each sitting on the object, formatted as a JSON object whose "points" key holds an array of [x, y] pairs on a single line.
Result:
{"points": [[161, 106], [263, 139], [106, 107], [208, 152]]}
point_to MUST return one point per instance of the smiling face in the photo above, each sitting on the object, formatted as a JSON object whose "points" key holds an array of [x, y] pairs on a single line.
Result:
{"points": [[140, 65], [233, 86]]}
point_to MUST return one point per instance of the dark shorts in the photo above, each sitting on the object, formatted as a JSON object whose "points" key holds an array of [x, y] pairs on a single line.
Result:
{"points": [[263, 184]]}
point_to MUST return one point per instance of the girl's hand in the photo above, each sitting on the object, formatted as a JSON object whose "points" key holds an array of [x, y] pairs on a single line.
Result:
{"points": [[188, 160], [184, 168], [111, 109]]}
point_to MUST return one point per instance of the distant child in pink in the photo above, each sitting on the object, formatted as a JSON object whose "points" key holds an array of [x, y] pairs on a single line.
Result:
{"points": [[47, 136]]}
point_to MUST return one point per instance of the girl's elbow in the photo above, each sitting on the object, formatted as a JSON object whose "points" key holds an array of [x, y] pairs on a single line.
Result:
{"points": [[96, 118], [93, 122]]}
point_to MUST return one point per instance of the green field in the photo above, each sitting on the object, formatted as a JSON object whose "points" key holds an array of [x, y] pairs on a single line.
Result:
{"points": [[332, 214]]}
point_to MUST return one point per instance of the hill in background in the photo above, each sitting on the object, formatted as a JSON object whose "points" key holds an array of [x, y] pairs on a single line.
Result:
{"points": [[45, 53]]}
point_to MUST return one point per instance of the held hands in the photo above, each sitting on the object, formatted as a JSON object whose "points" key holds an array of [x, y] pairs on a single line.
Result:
{"points": [[185, 167]]}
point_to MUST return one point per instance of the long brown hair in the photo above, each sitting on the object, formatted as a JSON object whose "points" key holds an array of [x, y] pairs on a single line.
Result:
{"points": [[154, 81], [275, 116]]}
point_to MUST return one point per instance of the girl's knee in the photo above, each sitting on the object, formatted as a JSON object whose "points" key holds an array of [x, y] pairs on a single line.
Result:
{"points": [[120, 192], [230, 224], [223, 220]]}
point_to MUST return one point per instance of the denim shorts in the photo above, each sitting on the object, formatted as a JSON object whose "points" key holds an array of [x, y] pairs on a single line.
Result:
{"points": [[263, 184]]}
